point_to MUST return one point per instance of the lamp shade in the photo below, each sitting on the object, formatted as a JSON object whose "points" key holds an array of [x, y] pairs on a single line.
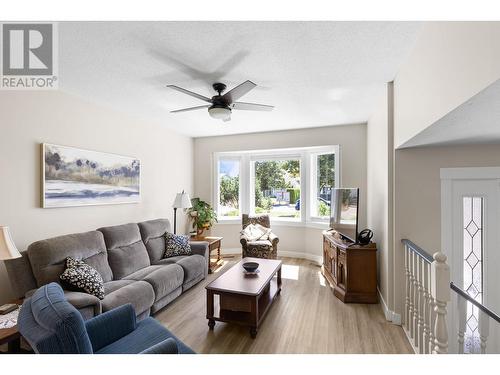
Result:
{"points": [[182, 200], [8, 249]]}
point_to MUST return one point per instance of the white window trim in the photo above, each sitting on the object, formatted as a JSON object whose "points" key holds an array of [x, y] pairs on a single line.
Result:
{"points": [[306, 157]]}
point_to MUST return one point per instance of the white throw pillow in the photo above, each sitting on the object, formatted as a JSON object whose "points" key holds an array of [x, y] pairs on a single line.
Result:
{"points": [[256, 232]]}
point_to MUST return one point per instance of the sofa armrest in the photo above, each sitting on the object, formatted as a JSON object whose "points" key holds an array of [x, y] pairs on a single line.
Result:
{"points": [[200, 248], [273, 238], [168, 346], [110, 326]]}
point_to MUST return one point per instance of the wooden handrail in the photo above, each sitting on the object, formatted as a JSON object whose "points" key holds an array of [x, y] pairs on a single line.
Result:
{"points": [[417, 249], [480, 306]]}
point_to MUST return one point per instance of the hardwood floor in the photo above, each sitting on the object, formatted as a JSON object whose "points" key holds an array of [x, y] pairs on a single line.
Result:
{"points": [[306, 318]]}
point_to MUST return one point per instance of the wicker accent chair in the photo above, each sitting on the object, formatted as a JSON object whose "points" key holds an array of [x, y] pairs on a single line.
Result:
{"points": [[267, 249]]}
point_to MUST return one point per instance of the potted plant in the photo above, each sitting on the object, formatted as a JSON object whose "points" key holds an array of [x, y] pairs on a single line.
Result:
{"points": [[202, 214]]}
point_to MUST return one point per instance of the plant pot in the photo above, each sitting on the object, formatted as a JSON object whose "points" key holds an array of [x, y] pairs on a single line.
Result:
{"points": [[199, 231]]}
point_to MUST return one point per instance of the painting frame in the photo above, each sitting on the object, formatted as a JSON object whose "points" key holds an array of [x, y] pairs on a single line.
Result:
{"points": [[43, 185]]}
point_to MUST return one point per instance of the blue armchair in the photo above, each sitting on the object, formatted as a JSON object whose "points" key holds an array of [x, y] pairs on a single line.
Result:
{"points": [[51, 325]]}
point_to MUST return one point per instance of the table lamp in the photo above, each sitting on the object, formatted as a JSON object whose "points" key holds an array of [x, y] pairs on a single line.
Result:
{"points": [[182, 200], [8, 249]]}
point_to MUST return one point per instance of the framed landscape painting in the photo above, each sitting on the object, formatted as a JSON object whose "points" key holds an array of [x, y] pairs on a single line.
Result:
{"points": [[76, 177]]}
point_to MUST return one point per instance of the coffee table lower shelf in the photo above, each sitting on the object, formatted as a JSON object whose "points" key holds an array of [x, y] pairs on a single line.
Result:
{"points": [[246, 310]]}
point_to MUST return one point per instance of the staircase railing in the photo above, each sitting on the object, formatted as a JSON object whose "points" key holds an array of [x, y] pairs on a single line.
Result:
{"points": [[428, 292]]}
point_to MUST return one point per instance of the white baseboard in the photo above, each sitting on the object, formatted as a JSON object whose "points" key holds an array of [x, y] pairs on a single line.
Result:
{"points": [[291, 254], [390, 315]]}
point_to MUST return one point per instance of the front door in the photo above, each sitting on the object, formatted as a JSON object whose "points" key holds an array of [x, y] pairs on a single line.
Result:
{"points": [[473, 254]]}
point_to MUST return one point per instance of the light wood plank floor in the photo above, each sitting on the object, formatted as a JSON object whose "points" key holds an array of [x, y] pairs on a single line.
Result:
{"points": [[306, 318]]}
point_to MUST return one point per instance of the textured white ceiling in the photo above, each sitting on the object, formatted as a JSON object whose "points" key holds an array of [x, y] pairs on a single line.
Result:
{"points": [[315, 73]]}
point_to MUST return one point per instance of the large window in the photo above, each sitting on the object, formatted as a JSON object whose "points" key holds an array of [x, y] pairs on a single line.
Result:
{"points": [[323, 174], [292, 185], [228, 187], [277, 188]]}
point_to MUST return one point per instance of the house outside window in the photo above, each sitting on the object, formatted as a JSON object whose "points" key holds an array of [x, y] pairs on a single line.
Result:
{"points": [[291, 185]]}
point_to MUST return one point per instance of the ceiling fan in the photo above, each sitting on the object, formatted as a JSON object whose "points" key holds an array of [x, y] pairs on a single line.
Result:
{"points": [[220, 106]]}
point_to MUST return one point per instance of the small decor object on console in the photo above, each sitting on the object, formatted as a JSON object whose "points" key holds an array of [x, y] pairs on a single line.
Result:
{"points": [[364, 237], [176, 244], [81, 276]]}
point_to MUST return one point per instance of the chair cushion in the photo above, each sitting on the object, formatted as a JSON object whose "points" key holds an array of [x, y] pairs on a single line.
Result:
{"points": [[51, 324], [176, 244], [48, 257], [126, 251], [82, 277], [149, 332], [139, 293], [256, 232], [153, 236], [163, 278], [260, 244]]}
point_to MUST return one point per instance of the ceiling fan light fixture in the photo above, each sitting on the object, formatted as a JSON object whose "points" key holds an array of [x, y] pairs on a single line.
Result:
{"points": [[220, 113]]}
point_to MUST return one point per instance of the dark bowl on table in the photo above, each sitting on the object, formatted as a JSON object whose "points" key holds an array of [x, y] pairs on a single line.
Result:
{"points": [[250, 266]]}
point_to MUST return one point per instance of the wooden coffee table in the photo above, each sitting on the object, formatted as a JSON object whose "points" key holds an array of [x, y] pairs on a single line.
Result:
{"points": [[244, 299]]}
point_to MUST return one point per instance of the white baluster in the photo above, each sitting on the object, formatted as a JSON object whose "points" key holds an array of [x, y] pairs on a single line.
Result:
{"points": [[415, 299], [426, 287], [462, 320], [484, 330], [431, 312], [407, 296], [420, 295], [441, 292], [412, 297]]}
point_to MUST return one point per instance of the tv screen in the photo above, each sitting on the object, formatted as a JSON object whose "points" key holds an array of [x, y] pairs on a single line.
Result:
{"points": [[344, 212]]}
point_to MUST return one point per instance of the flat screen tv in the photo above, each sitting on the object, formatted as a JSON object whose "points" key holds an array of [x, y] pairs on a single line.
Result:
{"points": [[344, 212]]}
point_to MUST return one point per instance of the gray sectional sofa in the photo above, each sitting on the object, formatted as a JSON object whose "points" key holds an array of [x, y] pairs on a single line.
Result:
{"points": [[129, 259]]}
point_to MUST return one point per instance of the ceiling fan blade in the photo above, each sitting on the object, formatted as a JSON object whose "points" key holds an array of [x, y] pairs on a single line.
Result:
{"points": [[190, 109], [236, 93], [252, 106], [190, 93]]}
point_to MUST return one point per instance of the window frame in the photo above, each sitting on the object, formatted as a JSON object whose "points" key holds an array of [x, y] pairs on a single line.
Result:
{"points": [[306, 156]]}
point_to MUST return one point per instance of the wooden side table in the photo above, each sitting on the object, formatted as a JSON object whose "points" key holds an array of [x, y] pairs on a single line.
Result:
{"points": [[11, 336], [214, 243]]}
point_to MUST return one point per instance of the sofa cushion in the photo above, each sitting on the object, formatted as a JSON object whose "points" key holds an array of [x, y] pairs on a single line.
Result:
{"points": [[171, 260], [163, 278], [48, 257], [139, 293], [81, 277], [126, 251], [193, 266], [111, 286], [153, 236]]}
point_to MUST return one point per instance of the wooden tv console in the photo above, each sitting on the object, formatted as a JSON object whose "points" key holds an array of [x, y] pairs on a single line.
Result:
{"points": [[350, 269]]}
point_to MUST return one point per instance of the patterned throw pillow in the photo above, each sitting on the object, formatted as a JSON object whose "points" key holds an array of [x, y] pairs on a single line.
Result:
{"points": [[256, 232], [83, 277], [176, 244]]}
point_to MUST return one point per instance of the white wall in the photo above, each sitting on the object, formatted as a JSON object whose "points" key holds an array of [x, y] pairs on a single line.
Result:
{"points": [[379, 190], [418, 196], [351, 138], [451, 62], [30, 118]]}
